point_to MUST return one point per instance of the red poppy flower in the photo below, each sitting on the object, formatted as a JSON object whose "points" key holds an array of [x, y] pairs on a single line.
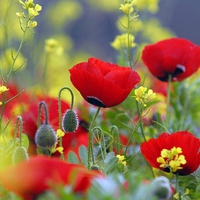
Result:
{"points": [[177, 152], [29, 179], [103, 84], [177, 57]]}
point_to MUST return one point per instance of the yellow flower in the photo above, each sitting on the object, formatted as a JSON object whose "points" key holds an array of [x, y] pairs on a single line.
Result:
{"points": [[123, 41], [60, 133], [33, 10], [177, 195], [142, 95], [121, 159], [38, 7], [27, 4], [32, 24], [52, 45], [126, 8], [134, 2], [53, 149], [149, 5], [171, 159], [32, 13], [3, 89], [20, 14]]}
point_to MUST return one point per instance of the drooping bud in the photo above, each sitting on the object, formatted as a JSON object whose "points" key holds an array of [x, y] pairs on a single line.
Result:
{"points": [[45, 136], [20, 154], [70, 121], [161, 189]]}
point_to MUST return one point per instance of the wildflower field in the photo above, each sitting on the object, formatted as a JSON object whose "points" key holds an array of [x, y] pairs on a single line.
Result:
{"points": [[75, 125]]}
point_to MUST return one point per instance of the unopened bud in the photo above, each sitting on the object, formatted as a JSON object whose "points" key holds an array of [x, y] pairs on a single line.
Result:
{"points": [[45, 136], [20, 154], [70, 121], [94, 167], [161, 189]]}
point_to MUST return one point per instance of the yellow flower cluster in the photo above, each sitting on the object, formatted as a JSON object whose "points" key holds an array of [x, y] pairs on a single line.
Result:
{"points": [[171, 159], [59, 134], [33, 11], [123, 41], [121, 159], [126, 40], [142, 95], [128, 6], [2, 90], [178, 196], [150, 5]]}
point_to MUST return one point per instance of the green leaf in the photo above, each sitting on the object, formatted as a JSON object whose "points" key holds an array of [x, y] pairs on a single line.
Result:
{"points": [[72, 158], [25, 141], [83, 152], [110, 163], [109, 157], [9, 146]]}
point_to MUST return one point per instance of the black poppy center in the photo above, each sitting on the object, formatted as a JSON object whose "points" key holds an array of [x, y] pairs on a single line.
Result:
{"points": [[95, 101], [168, 170], [179, 70]]}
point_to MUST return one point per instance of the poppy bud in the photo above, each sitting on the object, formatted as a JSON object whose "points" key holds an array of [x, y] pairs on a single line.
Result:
{"points": [[20, 154], [94, 167], [45, 136], [161, 188], [70, 121]]}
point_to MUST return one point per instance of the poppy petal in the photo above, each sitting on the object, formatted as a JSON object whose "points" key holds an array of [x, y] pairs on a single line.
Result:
{"points": [[103, 84], [175, 56]]}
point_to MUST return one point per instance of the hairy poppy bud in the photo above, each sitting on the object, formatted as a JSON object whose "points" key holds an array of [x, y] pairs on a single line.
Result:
{"points": [[161, 188], [94, 167], [20, 154], [45, 136], [70, 121]]}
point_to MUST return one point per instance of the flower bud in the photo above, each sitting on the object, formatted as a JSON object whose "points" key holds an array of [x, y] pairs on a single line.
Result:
{"points": [[20, 154], [161, 189], [45, 136], [70, 121], [94, 167]]}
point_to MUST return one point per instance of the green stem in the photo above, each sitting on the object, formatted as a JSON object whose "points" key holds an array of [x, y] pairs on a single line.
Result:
{"points": [[130, 137], [129, 48], [42, 103], [140, 120], [177, 186], [90, 150], [142, 132], [11, 70], [115, 135], [167, 122], [46, 63], [19, 122], [60, 112]]}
